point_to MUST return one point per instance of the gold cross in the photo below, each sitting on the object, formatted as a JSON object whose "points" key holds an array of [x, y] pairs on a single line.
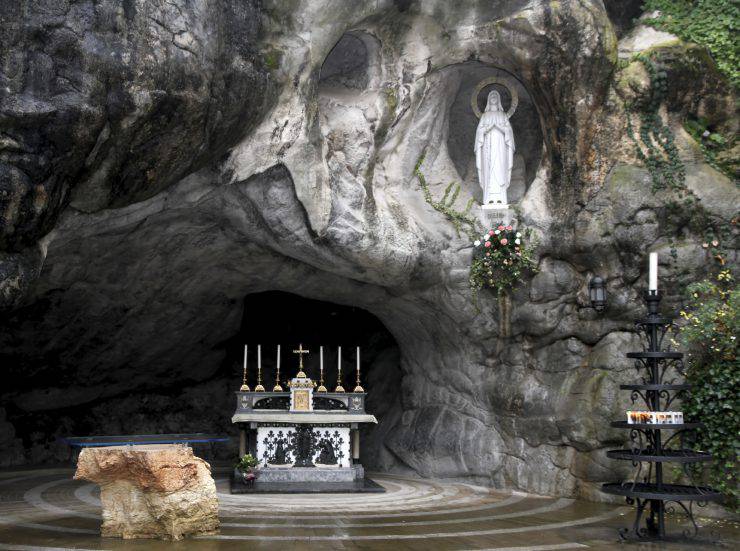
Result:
{"points": [[300, 353]]}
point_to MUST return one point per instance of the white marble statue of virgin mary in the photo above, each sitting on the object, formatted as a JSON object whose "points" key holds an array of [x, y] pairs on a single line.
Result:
{"points": [[494, 151]]}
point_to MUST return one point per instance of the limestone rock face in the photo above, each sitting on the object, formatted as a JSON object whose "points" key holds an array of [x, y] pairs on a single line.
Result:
{"points": [[84, 87], [157, 491], [271, 146]]}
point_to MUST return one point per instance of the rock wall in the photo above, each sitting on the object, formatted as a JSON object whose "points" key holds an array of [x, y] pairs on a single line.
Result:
{"points": [[304, 183]]}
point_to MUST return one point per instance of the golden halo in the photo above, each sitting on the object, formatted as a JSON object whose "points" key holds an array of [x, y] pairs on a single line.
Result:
{"points": [[503, 81]]}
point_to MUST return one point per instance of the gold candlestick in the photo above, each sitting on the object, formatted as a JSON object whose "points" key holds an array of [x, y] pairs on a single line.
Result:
{"points": [[277, 387], [244, 387], [259, 387], [321, 388], [339, 388], [358, 388]]}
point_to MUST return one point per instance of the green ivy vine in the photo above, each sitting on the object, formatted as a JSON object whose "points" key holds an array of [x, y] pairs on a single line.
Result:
{"points": [[656, 146], [461, 220], [709, 23]]}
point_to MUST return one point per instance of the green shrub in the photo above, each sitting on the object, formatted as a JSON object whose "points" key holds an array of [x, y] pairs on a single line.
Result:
{"points": [[710, 337]]}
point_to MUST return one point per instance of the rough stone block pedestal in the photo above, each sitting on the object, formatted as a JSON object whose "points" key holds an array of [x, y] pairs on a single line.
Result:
{"points": [[152, 491]]}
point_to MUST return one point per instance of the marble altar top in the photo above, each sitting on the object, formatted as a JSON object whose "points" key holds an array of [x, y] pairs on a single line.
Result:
{"points": [[313, 417]]}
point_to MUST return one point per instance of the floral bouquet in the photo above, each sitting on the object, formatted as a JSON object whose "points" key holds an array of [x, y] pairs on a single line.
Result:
{"points": [[499, 259], [246, 463]]}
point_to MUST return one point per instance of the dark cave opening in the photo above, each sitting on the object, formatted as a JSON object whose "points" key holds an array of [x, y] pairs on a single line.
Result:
{"points": [[269, 318], [275, 317]]}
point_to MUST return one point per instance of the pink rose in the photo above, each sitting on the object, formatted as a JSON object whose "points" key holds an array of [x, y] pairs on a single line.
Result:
{"points": [[488, 243], [490, 232], [488, 254], [504, 241], [509, 228], [501, 228]]}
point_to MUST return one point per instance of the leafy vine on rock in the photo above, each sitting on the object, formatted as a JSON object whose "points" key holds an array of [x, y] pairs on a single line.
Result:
{"points": [[461, 220], [656, 145], [709, 23]]}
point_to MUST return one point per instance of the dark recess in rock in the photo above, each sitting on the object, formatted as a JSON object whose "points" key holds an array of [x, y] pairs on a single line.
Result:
{"points": [[268, 318], [623, 13]]}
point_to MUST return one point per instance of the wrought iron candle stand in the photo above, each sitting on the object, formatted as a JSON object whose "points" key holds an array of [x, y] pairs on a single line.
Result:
{"points": [[648, 489]]}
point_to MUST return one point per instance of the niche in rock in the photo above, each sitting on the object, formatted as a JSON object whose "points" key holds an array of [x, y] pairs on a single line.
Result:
{"points": [[350, 64], [350, 103], [276, 317], [463, 123]]}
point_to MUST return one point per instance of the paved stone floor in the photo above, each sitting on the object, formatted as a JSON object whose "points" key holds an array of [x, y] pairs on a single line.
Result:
{"points": [[47, 510]]}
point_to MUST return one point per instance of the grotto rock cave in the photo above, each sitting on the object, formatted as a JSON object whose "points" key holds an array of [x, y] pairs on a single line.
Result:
{"points": [[178, 175]]}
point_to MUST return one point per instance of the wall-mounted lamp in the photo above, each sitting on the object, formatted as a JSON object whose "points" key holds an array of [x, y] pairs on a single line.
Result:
{"points": [[597, 293]]}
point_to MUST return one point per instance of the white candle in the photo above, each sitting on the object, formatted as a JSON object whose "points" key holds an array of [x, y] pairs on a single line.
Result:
{"points": [[259, 356], [245, 358], [278, 358], [358, 358], [321, 358], [339, 359], [653, 280]]}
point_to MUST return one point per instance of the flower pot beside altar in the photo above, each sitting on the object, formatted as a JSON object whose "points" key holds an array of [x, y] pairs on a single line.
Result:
{"points": [[248, 478], [244, 470]]}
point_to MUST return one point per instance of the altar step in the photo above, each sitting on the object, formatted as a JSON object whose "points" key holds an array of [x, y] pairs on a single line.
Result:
{"points": [[305, 480], [364, 485]]}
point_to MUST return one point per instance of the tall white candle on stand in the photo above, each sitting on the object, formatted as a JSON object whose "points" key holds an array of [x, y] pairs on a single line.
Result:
{"points": [[259, 387], [653, 279], [339, 388], [277, 387], [244, 387], [358, 388], [321, 388]]}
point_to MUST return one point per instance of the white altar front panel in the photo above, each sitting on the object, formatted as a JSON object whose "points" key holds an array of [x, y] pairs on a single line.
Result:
{"points": [[268, 438]]}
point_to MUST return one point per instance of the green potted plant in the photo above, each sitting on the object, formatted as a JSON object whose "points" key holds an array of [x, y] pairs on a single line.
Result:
{"points": [[245, 468]]}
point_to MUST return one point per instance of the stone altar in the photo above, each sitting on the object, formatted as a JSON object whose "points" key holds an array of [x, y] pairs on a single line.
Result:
{"points": [[151, 491], [304, 440]]}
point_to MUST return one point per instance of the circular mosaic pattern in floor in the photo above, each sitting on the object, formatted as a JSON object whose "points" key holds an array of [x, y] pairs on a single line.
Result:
{"points": [[47, 510]]}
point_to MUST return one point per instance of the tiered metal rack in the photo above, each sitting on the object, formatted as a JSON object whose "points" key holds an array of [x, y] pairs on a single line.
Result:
{"points": [[650, 450]]}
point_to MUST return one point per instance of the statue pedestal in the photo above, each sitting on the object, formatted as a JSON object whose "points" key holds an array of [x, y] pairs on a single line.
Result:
{"points": [[493, 214]]}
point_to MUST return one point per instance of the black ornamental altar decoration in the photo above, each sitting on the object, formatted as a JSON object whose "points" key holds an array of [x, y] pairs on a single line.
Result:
{"points": [[658, 441]]}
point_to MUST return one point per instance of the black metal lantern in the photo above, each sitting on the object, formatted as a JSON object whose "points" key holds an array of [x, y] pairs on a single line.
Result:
{"points": [[597, 293]]}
